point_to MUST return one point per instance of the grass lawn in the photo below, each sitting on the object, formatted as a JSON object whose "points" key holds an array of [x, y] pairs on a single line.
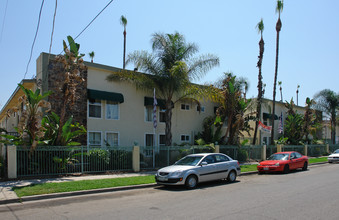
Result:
{"points": [[317, 160], [47, 188]]}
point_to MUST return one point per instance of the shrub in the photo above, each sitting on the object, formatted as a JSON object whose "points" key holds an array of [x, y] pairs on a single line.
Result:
{"points": [[242, 155]]}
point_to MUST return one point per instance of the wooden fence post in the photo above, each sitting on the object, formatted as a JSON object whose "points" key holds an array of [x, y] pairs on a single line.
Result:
{"points": [[305, 150]]}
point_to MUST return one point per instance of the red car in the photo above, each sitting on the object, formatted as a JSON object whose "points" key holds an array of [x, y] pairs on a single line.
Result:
{"points": [[283, 162]]}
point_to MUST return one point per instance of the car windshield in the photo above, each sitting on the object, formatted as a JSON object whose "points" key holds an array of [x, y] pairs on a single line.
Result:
{"points": [[278, 157], [189, 161], [336, 151]]}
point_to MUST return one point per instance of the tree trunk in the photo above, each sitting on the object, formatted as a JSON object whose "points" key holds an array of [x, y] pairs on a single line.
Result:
{"points": [[278, 28], [333, 126], [168, 119], [259, 64], [124, 62]]}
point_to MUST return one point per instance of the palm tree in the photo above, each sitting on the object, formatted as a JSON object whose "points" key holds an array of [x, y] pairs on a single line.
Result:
{"points": [[260, 27], [91, 55], [279, 9], [233, 108], [328, 102], [309, 124], [123, 22], [170, 68], [281, 97], [297, 93]]}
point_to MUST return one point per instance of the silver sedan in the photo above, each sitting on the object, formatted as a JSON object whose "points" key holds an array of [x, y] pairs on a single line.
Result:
{"points": [[334, 157], [196, 168]]}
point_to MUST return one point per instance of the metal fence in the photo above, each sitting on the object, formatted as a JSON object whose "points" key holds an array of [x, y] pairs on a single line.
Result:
{"points": [[155, 157], [333, 147], [52, 160], [298, 148]]}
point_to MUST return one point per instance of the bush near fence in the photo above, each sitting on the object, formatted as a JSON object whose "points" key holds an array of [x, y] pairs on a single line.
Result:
{"points": [[51, 160]]}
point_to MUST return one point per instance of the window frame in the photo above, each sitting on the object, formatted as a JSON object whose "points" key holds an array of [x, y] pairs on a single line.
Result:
{"points": [[88, 138], [94, 103], [186, 108], [106, 110], [185, 141], [113, 132]]}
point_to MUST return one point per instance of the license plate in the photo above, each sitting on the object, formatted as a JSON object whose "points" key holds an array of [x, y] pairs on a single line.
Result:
{"points": [[161, 178], [265, 168]]}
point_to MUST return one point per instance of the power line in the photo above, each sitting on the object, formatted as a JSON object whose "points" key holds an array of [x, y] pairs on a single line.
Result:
{"points": [[84, 28], [3, 22], [91, 21], [55, 10], [36, 33]]}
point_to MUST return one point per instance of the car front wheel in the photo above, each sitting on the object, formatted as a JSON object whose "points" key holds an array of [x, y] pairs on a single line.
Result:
{"points": [[191, 182], [305, 166], [232, 176], [286, 169]]}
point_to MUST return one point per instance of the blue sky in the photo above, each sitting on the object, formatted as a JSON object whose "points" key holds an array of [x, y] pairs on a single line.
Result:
{"points": [[308, 41]]}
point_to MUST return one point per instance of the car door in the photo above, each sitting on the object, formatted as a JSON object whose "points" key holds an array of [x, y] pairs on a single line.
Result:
{"points": [[292, 161], [222, 166], [295, 161], [208, 172], [299, 160]]}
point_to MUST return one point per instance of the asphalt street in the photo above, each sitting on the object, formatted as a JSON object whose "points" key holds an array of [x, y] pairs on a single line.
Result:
{"points": [[311, 194]]}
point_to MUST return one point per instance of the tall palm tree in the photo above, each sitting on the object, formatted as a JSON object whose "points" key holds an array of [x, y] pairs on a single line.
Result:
{"points": [[260, 27], [91, 55], [281, 97], [328, 102], [279, 9], [170, 68], [123, 22], [297, 92]]}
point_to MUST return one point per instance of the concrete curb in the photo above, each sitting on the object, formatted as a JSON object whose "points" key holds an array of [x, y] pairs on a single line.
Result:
{"points": [[95, 191]]}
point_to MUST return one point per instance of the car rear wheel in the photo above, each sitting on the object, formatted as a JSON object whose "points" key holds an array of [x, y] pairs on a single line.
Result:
{"points": [[286, 169], [232, 176], [191, 182], [305, 166]]}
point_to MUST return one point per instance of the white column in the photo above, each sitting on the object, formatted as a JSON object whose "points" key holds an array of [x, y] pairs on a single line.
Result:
{"points": [[12, 163]]}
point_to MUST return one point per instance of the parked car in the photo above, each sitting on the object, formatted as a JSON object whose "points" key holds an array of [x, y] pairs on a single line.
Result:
{"points": [[334, 157], [196, 168], [283, 162]]}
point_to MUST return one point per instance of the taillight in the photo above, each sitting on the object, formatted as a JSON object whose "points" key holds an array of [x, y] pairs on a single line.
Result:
{"points": [[238, 163]]}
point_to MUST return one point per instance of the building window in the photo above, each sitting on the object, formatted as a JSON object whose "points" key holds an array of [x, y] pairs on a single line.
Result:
{"points": [[185, 107], [162, 140], [112, 139], [149, 113], [94, 108], [149, 140], [200, 108], [162, 115], [94, 138], [185, 138], [112, 110]]}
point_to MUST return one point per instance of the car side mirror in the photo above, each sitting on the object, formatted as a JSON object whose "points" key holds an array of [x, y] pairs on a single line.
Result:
{"points": [[203, 163]]}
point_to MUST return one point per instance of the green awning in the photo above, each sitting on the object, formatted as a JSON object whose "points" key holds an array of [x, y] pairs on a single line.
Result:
{"points": [[269, 116], [161, 102], [102, 95]]}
